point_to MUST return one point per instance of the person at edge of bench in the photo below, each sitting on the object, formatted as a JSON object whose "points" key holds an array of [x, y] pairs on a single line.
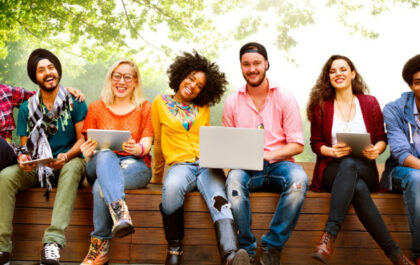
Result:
{"points": [[402, 168], [338, 103], [12, 97], [177, 118], [121, 107], [50, 125], [261, 103]]}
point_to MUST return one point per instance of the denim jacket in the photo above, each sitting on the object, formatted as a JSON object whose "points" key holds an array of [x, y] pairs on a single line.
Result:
{"points": [[401, 126]]}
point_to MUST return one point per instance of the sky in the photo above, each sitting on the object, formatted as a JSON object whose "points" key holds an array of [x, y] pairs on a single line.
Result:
{"points": [[379, 61]]}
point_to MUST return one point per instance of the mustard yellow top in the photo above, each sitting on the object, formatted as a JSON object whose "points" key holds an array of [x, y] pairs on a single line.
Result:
{"points": [[173, 143]]}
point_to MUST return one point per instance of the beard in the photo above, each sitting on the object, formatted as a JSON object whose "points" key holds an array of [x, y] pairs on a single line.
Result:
{"points": [[261, 78], [48, 88]]}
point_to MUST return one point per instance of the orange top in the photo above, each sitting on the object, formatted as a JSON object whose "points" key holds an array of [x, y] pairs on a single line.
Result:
{"points": [[137, 121]]}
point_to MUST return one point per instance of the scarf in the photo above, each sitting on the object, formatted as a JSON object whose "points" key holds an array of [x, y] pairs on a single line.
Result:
{"points": [[38, 123]]}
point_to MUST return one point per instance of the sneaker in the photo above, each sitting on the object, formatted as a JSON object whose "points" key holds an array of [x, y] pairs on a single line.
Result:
{"points": [[98, 252], [50, 254], [4, 258], [270, 256]]}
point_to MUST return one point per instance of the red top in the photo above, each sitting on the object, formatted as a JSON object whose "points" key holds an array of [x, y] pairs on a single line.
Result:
{"points": [[321, 132], [137, 121]]}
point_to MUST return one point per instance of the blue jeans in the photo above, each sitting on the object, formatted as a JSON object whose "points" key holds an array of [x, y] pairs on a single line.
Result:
{"points": [[186, 177], [407, 181], [284, 177], [111, 174]]}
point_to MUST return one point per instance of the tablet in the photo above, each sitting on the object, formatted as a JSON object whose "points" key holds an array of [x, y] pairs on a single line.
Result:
{"points": [[39, 162], [357, 141], [109, 139]]}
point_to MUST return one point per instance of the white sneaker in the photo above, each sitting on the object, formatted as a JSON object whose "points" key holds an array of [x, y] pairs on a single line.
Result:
{"points": [[50, 254]]}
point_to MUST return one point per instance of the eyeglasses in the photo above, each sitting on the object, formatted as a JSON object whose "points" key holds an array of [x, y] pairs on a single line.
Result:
{"points": [[51, 125], [117, 77]]}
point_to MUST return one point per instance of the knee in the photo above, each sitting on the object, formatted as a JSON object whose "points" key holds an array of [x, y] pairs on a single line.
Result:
{"points": [[9, 178], [413, 182], [237, 179], [349, 163], [361, 188], [96, 190], [74, 170], [104, 155]]}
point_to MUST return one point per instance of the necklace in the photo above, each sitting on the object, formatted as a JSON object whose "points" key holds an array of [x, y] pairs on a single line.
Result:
{"points": [[346, 121]]}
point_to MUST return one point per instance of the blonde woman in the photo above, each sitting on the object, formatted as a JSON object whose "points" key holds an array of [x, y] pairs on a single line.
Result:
{"points": [[121, 107]]}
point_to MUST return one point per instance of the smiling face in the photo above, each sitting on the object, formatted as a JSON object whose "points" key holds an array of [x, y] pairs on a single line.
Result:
{"points": [[123, 81], [253, 66], [341, 75], [47, 75], [191, 87]]}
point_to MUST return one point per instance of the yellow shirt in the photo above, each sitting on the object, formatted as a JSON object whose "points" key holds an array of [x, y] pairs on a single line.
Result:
{"points": [[173, 143]]}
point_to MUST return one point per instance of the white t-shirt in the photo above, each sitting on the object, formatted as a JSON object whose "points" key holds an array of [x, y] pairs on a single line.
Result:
{"points": [[356, 125]]}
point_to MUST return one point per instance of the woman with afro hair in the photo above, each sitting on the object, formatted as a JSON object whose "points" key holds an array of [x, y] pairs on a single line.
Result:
{"points": [[198, 84]]}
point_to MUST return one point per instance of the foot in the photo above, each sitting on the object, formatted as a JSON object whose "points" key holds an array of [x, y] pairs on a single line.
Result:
{"points": [[240, 257], [4, 258], [324, 249], [270, 256], [50, 254], [401, 259], [98, 252]]}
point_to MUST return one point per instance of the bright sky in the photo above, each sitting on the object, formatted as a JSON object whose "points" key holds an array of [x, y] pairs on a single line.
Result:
{"points": [[379, 61]]}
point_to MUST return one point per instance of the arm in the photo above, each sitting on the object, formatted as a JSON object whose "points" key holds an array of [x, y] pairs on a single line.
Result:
{"points": [[158, 159], [227, 118], [19, 95], [74, 151], [289, 150], [398, 140]]}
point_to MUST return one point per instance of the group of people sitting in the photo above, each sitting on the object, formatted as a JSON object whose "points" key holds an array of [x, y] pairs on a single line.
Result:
{"points": [[53, 122]]}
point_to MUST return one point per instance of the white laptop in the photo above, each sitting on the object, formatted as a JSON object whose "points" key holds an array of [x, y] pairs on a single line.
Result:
{"points": [[109, 139], [234, 148]]}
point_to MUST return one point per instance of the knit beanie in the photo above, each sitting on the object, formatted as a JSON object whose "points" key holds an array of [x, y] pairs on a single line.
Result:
{"points": [[38, 55]]}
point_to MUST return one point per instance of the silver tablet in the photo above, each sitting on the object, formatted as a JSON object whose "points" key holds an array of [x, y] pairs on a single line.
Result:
{"points": [[38, 162], [109, 139], [357, 141]]}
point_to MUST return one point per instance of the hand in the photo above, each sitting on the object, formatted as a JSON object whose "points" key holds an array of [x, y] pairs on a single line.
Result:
{"points": [[268, 156], [59, 162], [340, 150], [88, 148], [371, 152], [132, 147], [26, 167], [76, 93]]}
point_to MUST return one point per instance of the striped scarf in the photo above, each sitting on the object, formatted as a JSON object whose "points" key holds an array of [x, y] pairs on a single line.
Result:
{"points": [[37, 144]]}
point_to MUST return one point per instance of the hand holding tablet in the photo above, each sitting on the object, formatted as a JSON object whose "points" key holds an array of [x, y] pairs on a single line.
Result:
{"points": [[109, 139]]}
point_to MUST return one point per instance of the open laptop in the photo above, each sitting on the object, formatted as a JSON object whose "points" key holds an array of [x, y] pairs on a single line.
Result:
{"points": [[235, 148], [109, 139]]}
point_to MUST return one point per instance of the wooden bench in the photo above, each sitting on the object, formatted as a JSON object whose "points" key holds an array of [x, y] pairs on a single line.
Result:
{"points": [[148, 245]]}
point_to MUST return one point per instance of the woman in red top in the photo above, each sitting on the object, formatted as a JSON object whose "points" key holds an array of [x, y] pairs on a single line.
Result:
{"points": [[121, 107], [338, 104]]}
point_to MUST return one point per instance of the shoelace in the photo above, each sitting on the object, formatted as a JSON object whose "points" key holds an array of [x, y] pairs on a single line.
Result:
{"points": [[93, 251], [326, 239], [51, 251]]}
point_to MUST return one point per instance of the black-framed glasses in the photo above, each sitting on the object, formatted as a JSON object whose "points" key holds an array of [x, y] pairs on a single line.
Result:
{"points": [[117, 77], [51, 124]]}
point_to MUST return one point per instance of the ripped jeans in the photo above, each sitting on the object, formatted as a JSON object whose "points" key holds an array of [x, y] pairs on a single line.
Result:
{"points": [[186, 177], [283, 177]]}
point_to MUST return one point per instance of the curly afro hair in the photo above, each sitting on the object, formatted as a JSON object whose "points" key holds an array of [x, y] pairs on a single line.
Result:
{"points": [[411, 67], [191, 62]]}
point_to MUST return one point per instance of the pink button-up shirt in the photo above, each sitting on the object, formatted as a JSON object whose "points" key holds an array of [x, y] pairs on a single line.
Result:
{"points": [[279, 115]]}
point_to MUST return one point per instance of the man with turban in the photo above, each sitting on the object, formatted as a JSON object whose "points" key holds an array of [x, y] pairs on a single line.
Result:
{"points": [[50, 125]]}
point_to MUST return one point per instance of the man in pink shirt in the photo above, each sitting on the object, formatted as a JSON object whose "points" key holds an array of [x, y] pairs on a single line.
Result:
{"points": [[260, 103]]}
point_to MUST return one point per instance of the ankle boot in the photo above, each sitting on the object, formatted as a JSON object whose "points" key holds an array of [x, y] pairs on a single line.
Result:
{"points": [[121, 217], [98, 252], [227, 241], [324, 249], [400, 259], [174, 232]]}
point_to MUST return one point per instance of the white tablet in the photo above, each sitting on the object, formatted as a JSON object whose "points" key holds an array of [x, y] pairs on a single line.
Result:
{"points": [[38, 162], [357, 141], [109, 139]]}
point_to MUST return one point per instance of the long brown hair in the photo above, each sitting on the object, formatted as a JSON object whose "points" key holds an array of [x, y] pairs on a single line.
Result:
{"points": [[323, 90]]}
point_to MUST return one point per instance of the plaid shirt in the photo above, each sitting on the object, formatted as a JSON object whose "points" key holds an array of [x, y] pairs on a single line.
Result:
{"points": [[10, 97]]}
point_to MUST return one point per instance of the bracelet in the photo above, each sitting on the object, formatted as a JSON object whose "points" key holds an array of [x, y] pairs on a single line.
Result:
{"points": [[142, 149]]}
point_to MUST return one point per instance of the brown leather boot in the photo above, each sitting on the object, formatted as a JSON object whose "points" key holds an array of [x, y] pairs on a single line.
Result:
{"points": [[400, 259], [324, 249]]}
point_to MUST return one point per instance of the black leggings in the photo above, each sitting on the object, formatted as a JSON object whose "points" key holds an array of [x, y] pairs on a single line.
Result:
{"points": [[7, 155], [350, 180]]}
